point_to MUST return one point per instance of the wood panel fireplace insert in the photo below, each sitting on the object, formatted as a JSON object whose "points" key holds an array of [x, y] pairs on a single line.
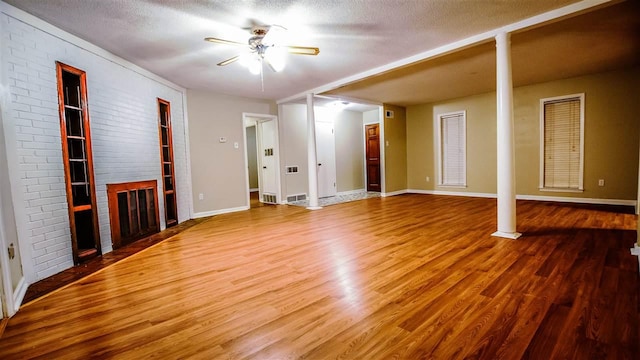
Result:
{"points": [[133, 211]]}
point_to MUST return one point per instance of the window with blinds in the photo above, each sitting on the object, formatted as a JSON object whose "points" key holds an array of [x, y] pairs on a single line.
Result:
{"points": [[452, 149], [562, 150]]}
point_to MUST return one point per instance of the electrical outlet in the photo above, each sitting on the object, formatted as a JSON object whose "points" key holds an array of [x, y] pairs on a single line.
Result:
{"points": [[428, 179], [601, 182], [201, 196]]}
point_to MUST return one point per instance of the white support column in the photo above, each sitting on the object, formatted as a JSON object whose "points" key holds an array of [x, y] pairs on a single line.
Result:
{"points": [[505, 141], [312, 156]]}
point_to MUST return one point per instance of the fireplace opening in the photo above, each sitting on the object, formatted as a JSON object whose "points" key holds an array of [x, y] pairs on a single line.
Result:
{"points": [[133, 211]]}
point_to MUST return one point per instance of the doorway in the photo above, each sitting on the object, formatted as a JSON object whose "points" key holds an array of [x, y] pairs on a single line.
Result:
{"points": [[372, 149], [261, 140]]}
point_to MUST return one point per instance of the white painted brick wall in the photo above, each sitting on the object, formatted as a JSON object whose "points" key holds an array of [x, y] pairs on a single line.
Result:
{"points": [[123, 114]]}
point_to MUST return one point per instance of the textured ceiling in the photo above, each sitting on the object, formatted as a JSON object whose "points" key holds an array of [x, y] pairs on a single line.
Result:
{"points": [[601, 40], [166, 37]]}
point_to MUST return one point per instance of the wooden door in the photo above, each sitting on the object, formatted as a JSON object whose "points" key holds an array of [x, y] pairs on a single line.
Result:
{"points": [[372, 138]]}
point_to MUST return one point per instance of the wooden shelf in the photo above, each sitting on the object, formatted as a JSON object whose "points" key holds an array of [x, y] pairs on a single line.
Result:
{"points": [[166, 156], [83, 219], [71, 107]]}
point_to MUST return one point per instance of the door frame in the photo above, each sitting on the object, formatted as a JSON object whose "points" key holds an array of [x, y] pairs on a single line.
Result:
{"points": [[366, 158], [276, 153], [382, 143]]}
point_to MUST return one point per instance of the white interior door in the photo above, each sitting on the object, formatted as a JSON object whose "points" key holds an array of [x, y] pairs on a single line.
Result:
{"points": [[267, 154], [326, 150]]}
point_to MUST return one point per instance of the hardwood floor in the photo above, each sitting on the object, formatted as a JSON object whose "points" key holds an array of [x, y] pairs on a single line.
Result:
{"points": [[405, 277], [66, 277]]}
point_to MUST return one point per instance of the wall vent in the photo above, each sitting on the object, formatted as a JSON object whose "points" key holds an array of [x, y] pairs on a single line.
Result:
{"points": [[298, 197], [269, 198], [291, 169]]}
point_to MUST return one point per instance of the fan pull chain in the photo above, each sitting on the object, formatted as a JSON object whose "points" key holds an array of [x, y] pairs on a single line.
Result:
{"points": [[262, 73]]}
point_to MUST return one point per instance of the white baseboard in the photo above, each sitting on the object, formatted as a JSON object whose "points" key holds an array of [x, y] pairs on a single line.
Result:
{"points": [[254, 190], [394, 193], [565, 199], [351, 192], [578, 200], [18, 295], [219, 212], [452, 193]]}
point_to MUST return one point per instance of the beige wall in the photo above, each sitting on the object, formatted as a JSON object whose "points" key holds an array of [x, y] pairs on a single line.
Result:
{"points": [[349, 151], [420, 148], [293, 148], [612, 126], [395, 150], [371, 117], [217, 169], [612, 119], [349, 138]]}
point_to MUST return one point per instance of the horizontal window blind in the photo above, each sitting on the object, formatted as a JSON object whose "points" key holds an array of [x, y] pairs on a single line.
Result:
{"points": [[453, 149], [562, 144]]}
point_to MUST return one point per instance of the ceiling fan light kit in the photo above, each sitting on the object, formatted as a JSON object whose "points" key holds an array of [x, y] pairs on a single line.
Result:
{"points": [[264, 46]]}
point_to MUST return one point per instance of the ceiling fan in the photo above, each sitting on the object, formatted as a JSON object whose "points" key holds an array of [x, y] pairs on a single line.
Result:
{"points": [[265, 45]]}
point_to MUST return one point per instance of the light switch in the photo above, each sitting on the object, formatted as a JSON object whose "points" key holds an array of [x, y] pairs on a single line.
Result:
{"points": [[236, 145]]}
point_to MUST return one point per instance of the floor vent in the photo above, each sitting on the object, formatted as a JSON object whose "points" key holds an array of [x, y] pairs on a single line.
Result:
{"points": [[294, 198], [269, 198]]}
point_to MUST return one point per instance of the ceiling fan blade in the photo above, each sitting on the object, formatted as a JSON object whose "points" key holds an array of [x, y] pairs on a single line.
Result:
{"points": [[274, 35], [303, 50], [222, 41], [229, 61]]}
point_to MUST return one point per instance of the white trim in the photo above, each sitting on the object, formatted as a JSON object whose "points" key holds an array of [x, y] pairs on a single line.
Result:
{"points": [[439, 139], [581, 97], [383, 145], [578, 200], [364, 146], [187, 148], [351, 192], [533, 21], [507, 235], [261, 118], [18, 294], [254, 190], [578, 191], [219, 212], [452, 193], [635, 250], [54, 31], [394, 193], [565, 199]]}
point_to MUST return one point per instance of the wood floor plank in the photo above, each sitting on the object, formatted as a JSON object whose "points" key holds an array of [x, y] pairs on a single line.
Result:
{"points": [[404, 277]]}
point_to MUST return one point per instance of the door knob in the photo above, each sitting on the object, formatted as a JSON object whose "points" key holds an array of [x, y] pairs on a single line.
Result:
{"points": [[264, 167], [319, 164]]}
